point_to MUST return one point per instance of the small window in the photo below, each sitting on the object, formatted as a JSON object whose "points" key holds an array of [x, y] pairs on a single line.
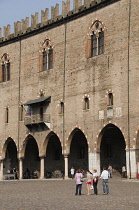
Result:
{"points": [[7, 115], [21, 113], [110, 99], [5, 68], [61, 108], [86, 103]]}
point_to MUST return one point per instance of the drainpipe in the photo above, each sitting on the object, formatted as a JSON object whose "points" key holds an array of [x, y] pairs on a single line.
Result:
{"points": [[129, 30], [64, 80], [19, 72]]}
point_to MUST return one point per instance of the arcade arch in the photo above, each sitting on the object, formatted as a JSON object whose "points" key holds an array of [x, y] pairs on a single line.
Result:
{"points": [[78, 150], [112, 147], [31, 158], [53, 160], [9, 155]]}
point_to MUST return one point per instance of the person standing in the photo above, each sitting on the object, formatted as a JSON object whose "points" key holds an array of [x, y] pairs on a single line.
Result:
{"points": [[123, 172], [72, 170], [89, 181], [78, 182], [104, 176], [110, 171], [95, 181]]}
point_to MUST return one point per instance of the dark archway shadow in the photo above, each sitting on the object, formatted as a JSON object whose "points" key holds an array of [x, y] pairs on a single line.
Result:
{"points": [[31, 159], [54, 160], [11, 160], [112, 148], [78, 157]]}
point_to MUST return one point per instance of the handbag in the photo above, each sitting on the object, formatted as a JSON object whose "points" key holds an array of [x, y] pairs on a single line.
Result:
{"points": [[91, 187], [81, 179]]}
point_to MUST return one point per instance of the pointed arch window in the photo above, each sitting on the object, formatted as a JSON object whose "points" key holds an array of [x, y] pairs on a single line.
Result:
{"points": [[95, 40], [86, 103], [61, 108], [5, 68], [46, 56], [110, 99]]}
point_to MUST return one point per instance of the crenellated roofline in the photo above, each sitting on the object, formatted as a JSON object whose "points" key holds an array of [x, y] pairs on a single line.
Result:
{"points": [[23, 30]]}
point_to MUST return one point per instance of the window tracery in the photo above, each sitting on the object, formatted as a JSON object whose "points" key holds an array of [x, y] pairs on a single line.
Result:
{"points": [[5, 68], [46, 56], [95, 39]]}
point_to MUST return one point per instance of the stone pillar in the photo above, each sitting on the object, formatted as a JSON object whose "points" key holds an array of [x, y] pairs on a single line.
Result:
{"points": [[94, 161], [41, 167], [1, 169], [131, 165], [66, 166], [21, 168]]}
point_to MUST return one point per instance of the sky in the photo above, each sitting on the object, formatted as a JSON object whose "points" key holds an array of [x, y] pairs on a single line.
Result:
{"points": [[15, 10]]}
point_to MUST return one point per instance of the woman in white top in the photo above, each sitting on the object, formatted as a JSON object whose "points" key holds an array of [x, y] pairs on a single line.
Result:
{"points": [[95, 181], [89, 181]]}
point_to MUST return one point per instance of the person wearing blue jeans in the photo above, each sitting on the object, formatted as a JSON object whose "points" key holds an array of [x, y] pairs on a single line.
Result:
{"points": [[104, 176]]}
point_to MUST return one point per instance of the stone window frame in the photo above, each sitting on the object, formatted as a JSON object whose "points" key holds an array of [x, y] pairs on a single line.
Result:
{"points": [[7, 114], [93, 36], [61, 107], [5, 68], [46, 55], [21, 112], [86, 104], [110, 99]]}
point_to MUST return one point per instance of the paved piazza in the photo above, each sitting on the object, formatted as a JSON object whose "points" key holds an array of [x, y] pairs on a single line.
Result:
{"points": [[60, 195]]}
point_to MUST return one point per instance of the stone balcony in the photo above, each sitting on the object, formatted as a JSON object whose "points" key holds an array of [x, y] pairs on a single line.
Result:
{"points": [[36, 120]]}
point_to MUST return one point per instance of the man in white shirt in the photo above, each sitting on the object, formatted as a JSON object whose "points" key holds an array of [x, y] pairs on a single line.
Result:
{"points": [[104, 176]]}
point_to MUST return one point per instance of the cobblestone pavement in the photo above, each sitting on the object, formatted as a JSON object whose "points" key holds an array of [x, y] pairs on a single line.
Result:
{"points": [[60, 195]]}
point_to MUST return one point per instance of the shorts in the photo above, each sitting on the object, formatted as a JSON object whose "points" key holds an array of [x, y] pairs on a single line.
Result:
{"points": [[88, 182]]}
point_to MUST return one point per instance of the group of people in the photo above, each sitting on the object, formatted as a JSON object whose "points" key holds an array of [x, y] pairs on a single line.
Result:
{"points": [[91, 181], [13, 171]]}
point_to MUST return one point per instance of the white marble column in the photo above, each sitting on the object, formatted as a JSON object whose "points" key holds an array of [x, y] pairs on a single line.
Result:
{"points": [[41, 167], [1, 170], [66, 166], [94, 161], [21, 168], [131, 163]]}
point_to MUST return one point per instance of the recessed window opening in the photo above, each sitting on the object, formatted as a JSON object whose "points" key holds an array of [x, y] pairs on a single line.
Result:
{"points": [[5, 68], [61, 108], [46, 56], [7, 115], [110, 99], [86, 103], [21, 113], [95, 40]]}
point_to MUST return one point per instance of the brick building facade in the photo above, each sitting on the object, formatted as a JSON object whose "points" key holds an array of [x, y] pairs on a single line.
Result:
{"points": [[68, 89]]}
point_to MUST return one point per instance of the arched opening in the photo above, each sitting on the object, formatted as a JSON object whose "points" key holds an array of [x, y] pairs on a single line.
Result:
{"points": [[78, 157], [10, 160], [112, 148], [54, 160], [31, 161]]}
